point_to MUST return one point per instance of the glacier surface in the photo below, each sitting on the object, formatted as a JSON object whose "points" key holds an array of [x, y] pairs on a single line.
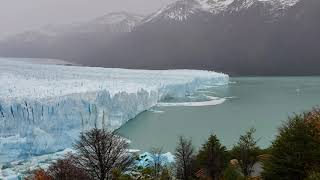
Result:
{"points": [[44, 107]]}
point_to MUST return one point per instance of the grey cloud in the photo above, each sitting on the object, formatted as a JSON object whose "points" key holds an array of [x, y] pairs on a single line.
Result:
{"points": [[20, 15]]}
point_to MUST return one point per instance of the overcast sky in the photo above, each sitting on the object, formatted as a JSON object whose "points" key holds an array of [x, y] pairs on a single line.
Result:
{"points": [[20, 15]]}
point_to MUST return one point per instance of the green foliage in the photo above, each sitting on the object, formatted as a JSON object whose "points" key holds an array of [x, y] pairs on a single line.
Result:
{"points": [[313, 176], [294, 153], [246, 152], [264, 151], [125, 177], [147, 173], [119, 175], [165, 174], [142, 173], [231, 173], [213, 157]]}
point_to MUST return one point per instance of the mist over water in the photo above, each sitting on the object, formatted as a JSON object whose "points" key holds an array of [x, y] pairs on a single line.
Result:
{"points": [[17, 16]]}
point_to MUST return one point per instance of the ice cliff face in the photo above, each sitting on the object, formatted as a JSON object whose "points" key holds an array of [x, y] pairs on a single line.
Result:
{"points": [[43, 108]]}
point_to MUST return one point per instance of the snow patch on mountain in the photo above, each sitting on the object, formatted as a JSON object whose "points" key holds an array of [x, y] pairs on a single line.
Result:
{"points": [[215, 6], [127, 22], [179, 11], [118, 17], [183, 9], [283, 3]]}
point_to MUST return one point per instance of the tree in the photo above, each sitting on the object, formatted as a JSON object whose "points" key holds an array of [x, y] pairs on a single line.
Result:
{"points": [[232, 173], [39, 174], [157, 161], [100, 151], [184, 155], [312, 118], [295, 151], [165, 174], [65, 169], [313, 176], [213, 157], [246, 152]]}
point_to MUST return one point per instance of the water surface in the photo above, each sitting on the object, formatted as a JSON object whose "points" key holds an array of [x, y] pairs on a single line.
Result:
{"points": [[260, 102]]}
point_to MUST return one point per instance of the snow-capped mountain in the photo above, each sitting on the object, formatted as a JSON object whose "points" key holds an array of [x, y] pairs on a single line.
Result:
{"points": [[182, 9], [247, 37], [179, 10]]}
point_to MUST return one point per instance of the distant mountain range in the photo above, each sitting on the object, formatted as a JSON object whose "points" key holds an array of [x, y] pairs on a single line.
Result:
{"points": [[239, 37]]}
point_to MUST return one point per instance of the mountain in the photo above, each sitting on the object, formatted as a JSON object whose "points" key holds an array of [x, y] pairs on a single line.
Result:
{"points": [[70, 42], [239, 37]]}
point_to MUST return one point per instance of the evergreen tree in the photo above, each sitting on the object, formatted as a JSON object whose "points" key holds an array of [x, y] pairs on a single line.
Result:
{"points": [[232, 173], [295, 152], [213, 157], [246, 152]]}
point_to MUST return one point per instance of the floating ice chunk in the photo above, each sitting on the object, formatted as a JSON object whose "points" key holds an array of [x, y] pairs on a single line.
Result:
{"points": [[213, 102], [155, 111]]}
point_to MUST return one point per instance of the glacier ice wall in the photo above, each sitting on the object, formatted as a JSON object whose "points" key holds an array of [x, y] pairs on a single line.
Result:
{"points": [[43, 108]]}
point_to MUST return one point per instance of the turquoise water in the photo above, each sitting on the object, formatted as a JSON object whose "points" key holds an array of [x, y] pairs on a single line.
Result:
{"points": [[259, 102]]}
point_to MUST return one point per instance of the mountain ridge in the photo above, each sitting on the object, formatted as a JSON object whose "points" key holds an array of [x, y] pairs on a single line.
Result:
{"points": [[239, 37]]}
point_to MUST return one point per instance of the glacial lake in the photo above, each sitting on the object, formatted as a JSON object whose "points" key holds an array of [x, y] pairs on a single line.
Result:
{"points": [[259, 102]]}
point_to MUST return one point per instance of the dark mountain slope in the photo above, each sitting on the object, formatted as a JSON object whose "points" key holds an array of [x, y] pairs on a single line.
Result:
{"points": [[239, 37]]}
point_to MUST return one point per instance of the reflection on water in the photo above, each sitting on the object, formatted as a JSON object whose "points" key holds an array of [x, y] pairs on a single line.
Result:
{"points": [[260, 102]]}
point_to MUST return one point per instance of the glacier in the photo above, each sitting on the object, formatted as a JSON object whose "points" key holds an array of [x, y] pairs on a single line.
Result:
{"points": [[44, 107]]}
